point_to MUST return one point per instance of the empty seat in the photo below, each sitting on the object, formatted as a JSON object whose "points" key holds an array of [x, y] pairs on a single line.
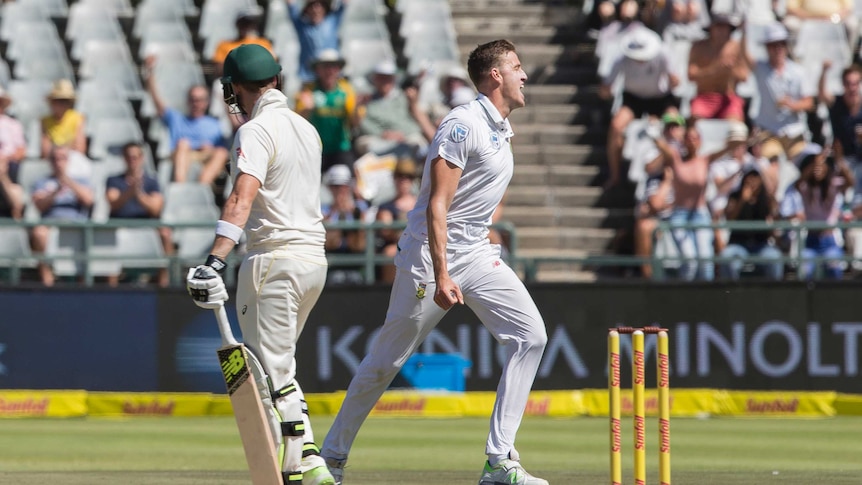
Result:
{"points": [[14, 13], [363, 54], [111, 134], [49, 8], [107, 28], [28, 99], [84, 17], [31, 171], [162, 31], [15, 251], [116, 249], [191, 202]]}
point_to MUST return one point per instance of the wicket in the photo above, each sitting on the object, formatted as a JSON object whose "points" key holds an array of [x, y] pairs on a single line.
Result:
{"points": [[638, 403]]}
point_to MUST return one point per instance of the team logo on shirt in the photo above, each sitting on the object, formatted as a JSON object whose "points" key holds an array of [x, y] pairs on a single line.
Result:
{"points": [[459, 133], [239, 153], [420, 291], [495, 140]]}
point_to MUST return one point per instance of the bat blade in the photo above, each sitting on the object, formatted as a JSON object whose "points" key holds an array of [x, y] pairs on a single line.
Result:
{"points": [[251, 419]]}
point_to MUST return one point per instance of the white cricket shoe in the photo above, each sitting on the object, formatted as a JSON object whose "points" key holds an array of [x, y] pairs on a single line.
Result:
{"points": [[336, 469], [508, 472]]}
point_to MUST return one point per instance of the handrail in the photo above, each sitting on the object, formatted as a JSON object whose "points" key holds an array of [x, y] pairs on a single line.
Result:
{"points": [[368, 260]]}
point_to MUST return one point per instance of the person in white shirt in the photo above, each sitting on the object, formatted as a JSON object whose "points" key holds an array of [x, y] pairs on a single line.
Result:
{"points": [[275, 202], [446, 259], [786, 94], [647, 82]]}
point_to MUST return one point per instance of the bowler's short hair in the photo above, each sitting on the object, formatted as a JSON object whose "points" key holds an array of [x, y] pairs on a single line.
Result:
{"points": [[486, 57]]}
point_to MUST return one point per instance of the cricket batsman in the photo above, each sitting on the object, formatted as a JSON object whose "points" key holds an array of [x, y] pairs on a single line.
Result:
{"points": [[275, 202]]}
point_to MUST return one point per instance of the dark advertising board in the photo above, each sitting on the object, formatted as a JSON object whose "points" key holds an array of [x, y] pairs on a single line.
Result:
{"points": [[735, 337], [94, 340]]}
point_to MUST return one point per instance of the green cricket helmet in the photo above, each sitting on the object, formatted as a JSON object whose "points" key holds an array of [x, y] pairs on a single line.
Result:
{"points": [[249, 62]]}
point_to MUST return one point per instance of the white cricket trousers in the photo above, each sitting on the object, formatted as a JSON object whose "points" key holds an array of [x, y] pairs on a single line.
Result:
{"points": [[276, 291], [495, 294]]}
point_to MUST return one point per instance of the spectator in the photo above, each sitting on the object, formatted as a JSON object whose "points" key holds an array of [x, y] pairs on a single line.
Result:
{"points": [[346, 207], [64, 126], [196, 137], [682, 20], [845, 115], [135, 194], [13, 145], [11, 194], [818, 196], [329, 103], [647, 84], [690, 177], [317, 24], [835, 11], [725, 174], [454, 89], [655, 200], [248, 32], [751, 202], [388, 125], [716, 65], [785, 94], [58, 196], [608, 43], [405, 175]]}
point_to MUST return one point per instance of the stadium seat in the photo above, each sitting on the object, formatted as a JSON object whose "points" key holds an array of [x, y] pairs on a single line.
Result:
{"points": [[84, 17], [34, 38], [151, 12], [31, 171], [160, 31], [107, 28], [111, 134], [121, 8], [132, 247], [15, 250], [14, 13], [49, 8], [28, 99], [363, 54], [190, 202]]}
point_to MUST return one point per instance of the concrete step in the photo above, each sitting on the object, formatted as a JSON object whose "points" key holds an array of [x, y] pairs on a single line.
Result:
{"points": [[555, 134], [554, 176], [554, 94], [591, 240], [517, 15], [532, 55], [541, 195], [566, 114], [567, 217], [520, 37], [559, 154]]}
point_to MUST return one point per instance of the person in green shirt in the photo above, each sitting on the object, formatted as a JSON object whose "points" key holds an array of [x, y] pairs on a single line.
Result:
{"points": [[329, 103]]}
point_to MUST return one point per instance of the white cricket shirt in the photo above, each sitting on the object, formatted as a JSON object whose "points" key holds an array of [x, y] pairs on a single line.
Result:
{"points": [[476, 138], [282, 150]]}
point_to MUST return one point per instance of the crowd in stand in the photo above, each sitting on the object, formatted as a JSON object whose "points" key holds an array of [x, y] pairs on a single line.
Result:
{"points": [[373, 144], [735, 110]]}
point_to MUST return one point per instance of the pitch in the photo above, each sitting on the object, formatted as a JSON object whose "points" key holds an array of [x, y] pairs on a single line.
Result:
{"points": [[186, 451]]}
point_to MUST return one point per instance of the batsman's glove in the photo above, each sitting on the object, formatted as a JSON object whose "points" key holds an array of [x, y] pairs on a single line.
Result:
{"points": [[205, 283]]}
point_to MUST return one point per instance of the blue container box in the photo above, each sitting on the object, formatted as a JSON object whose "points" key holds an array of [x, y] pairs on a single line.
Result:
{"points": [[436, 371]]}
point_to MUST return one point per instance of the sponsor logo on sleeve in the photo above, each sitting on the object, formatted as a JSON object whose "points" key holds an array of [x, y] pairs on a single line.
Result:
{"points": [[459, 133]]}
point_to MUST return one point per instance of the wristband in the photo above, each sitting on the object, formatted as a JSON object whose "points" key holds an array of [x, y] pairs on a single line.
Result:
{"points": [[228, 230], [216, 263]]}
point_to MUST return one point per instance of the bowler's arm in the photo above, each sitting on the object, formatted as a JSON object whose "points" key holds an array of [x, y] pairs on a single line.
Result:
{"points": [[444, 181]]}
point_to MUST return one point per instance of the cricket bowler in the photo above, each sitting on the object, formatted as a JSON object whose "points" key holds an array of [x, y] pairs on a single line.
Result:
{"points": [[275, 202], [445, 258]]}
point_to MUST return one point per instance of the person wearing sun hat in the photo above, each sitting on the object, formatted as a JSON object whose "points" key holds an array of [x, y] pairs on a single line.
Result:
{"points": [[648, 80], [716, 65], [786, 94], [329, 103], [64, 126]]}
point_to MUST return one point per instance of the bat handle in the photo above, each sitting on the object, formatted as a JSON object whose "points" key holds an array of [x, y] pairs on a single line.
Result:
{"points": [[227, 337]]}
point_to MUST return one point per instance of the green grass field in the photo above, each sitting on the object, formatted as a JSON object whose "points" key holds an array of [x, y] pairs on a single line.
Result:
{"points": [[186, 451]]}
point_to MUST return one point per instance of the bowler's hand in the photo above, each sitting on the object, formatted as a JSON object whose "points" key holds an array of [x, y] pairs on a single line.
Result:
{"points": [[447, 293]]}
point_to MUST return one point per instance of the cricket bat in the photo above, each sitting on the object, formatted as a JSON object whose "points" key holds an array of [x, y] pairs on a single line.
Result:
{"points": [[236, 363]]}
